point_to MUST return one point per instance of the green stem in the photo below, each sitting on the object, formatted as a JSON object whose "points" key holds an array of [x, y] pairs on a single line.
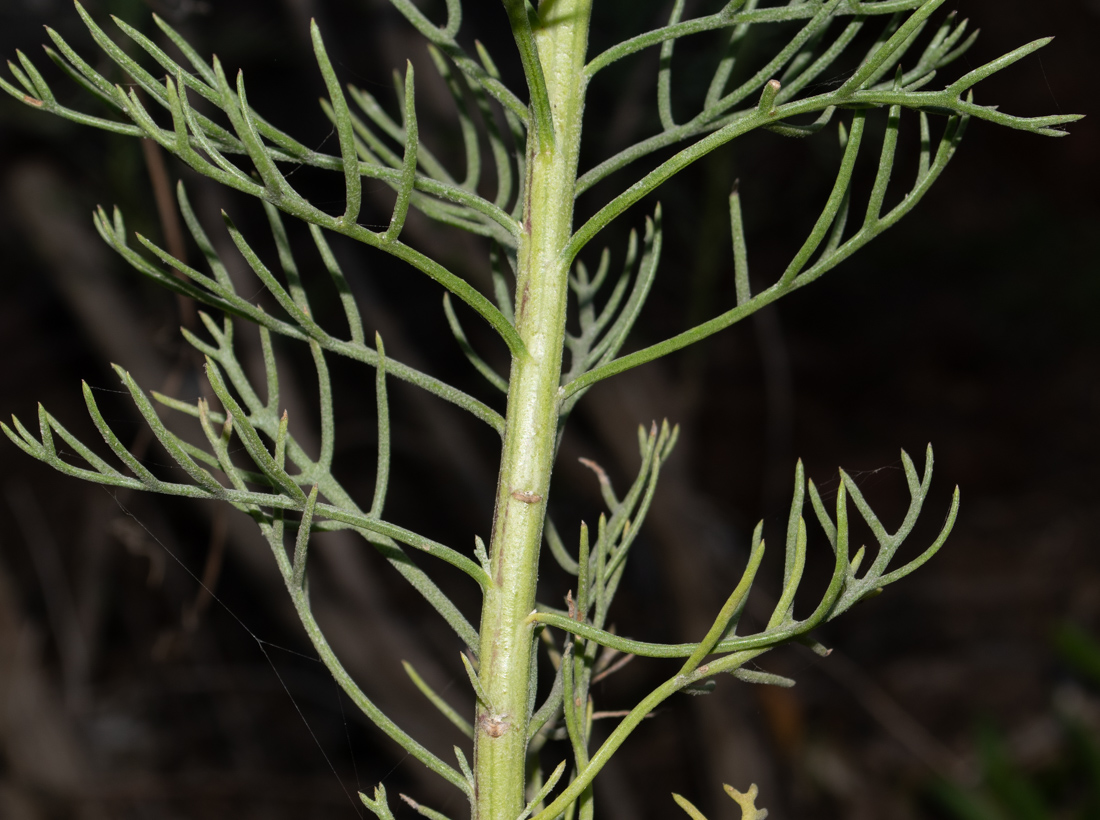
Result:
{"points": [[531, 425]]}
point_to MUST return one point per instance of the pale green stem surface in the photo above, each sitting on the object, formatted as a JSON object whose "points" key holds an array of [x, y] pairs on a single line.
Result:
{"points": [[532, 422], [538, 229]]}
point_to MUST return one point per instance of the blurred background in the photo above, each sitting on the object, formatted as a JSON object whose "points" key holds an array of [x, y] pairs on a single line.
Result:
{"points": [[969, 690]]}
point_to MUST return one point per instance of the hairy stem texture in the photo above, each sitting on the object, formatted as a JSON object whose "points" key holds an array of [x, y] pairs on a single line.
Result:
{"points": [[532, 420]]}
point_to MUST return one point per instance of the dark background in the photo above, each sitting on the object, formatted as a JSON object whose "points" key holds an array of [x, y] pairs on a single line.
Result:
{"points": [[127, 691]]}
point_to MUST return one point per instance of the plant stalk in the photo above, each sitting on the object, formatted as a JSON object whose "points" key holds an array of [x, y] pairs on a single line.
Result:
{"points": [[531, 426]]}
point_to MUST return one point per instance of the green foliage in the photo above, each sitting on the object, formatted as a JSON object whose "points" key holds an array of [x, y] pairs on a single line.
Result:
{"points": [[253, 462]]}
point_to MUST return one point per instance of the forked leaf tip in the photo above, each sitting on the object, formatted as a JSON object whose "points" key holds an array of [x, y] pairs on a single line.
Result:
{"points": [[747, 801]]}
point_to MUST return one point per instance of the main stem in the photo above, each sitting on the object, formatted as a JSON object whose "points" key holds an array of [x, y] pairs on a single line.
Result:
{"points": [[506, 668]]}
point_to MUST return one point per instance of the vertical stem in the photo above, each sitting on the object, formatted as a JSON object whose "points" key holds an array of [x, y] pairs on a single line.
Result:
{"points": [[532, 419]]}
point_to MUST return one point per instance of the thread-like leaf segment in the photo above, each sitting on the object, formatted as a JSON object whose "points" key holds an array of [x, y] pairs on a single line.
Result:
{"points": [[532, 70], [419, 180]]}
